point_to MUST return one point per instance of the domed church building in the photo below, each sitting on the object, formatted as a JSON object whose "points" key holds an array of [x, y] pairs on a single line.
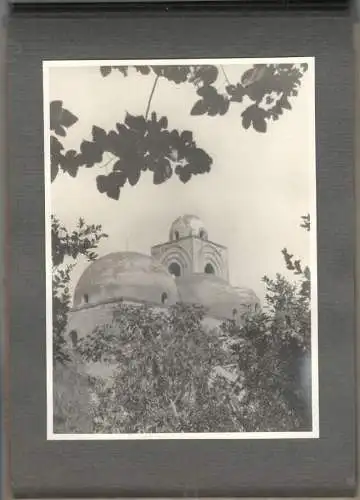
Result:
{"points": [[188, 268]]}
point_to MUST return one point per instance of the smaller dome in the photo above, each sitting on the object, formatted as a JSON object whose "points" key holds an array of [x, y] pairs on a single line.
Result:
{"points": [[219, 298], [187, 225], [128, 276]]}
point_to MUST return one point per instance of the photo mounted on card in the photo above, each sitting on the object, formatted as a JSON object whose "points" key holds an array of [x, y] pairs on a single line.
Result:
{"points": [[181, 252]]}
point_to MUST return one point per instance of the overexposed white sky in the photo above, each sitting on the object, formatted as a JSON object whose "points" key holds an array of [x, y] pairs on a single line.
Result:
{"points": [[252, 200]]}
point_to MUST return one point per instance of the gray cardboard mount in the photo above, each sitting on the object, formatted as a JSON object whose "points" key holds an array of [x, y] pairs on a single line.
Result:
{"points": [[323, 467]]}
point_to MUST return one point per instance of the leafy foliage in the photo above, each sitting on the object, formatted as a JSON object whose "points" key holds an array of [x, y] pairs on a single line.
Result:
{"points": [[199, 75], [272, 349], [305, 222], [295, 265], [135, 146], [60, 118], [173, 374], [163, 366], [267, 86], [261, 357], [141, 144], [82, 241], [61, 303]]}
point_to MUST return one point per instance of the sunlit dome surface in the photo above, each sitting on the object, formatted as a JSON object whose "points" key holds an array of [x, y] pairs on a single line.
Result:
{"points": [[128, 276], [219, 298], [187, 225]]}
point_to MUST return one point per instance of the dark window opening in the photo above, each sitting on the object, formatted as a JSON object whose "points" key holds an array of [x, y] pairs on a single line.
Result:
{"points": [[86, 298], [174, 269], [203, 235], [209, 269], [234, 311], [164, 298], [177, 235], [73, 337]]}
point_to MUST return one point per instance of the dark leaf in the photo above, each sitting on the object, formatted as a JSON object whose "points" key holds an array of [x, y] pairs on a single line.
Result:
{"points": [[163, 122], [59, 130], [55, 114], [54, 171], [71, 162], [246, 120], [55, 145], [184, 175], [252, 75], [199, 108], [213, 110], [223, 106], [102, 182], [133, 175], [236, 92], [91, 153], [162, 173], [122, 69], [186, 136], [285, 104], [60, 118], [113, 191], [144, 70], [68, 119], [105, 70], [109, 185], [176, 74], [259, 124], [208, 92], [207, 74], [135, 122], [99, 134]]}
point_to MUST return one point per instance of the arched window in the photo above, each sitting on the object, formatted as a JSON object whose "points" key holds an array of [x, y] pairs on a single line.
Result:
{"points": [[164, 298], [177, 235], [86, 298], [175, 269], [73, 337], [209, 269], [203, 234]]}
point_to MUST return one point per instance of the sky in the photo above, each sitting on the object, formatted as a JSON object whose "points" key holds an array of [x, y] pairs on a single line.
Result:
{"points": [[252, 200]]}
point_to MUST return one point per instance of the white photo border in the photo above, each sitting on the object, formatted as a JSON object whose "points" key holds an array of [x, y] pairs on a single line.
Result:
{"points": [[315, 433]]}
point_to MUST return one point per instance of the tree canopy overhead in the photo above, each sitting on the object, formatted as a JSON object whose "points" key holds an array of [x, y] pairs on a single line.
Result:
{"points": [[143, 143]]}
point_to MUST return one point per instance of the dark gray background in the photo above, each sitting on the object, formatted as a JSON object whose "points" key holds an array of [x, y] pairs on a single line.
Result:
{"points": [[182, 468]]}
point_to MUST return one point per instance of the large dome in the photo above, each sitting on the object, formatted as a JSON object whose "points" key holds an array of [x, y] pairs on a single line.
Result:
{"points": [[128, 276], [187, 225], [219, 298]]}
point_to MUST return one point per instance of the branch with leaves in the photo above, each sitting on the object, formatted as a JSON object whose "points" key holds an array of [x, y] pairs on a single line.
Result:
{"points": [[142, 144], [296, 266], [135, 146], [267, 86], [83, 240]]}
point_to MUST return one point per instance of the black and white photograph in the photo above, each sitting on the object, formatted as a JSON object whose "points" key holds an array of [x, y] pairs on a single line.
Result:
{"points": [[181, 256]]}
